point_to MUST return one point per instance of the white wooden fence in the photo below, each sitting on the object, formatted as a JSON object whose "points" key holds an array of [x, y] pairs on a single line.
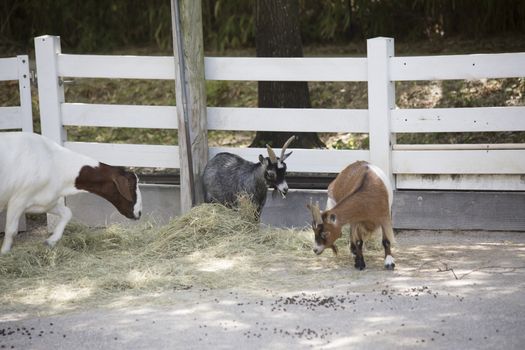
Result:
{"points": [[458, 166], [21, 116]]}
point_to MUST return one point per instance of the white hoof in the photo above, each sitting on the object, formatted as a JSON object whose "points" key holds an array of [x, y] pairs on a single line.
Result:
{"points": [[390, 262], [50, 243], [5, 249]]}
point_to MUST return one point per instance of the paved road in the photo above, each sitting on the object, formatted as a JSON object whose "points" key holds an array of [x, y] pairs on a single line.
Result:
{"points": [[449, 291]]}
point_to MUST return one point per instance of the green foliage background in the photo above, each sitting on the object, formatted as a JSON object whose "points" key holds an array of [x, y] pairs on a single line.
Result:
{"points": [[95, 25], [328, 27]]}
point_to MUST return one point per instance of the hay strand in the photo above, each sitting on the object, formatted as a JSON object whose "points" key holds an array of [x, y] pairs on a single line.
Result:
{"points": [[211, 246]]}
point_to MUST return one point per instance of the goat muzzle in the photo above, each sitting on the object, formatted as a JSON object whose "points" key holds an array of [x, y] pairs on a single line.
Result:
{"points": [[281, 189]]}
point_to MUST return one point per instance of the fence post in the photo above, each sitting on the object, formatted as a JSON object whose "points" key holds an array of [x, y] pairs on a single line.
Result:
{"points": [[381, 100], [24, 86], [50, 95], [191, 98], [50, 88]]}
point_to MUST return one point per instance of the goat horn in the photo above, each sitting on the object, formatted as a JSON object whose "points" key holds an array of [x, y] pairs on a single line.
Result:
{"points": [[271, 154], [285, 146], [316, 212]]}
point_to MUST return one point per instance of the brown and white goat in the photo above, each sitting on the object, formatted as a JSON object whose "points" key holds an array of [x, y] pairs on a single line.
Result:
{"points": [[36, 174], [361, 196]]}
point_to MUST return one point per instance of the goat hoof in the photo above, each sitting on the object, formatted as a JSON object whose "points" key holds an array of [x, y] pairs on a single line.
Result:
{"points": [[389, 262], [50, 244], [390, 266], [360, 265]]}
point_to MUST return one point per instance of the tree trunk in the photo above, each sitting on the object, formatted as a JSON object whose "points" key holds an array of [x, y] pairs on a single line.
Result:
{"points": [[277, 34]]}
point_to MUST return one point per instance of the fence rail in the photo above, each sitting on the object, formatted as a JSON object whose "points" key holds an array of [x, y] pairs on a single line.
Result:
{"points": [[108, 115], [285, 69], [148, 156], [484, 119], [8, 69], [17, 117], [498, 167], [502, 65]]}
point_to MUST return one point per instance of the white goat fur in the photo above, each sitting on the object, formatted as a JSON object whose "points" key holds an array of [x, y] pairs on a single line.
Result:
{"points": [[35, 175]]}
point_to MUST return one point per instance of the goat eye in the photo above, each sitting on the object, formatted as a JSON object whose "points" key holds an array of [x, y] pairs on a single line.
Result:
{"points": [[326, 235], [270, 175]]}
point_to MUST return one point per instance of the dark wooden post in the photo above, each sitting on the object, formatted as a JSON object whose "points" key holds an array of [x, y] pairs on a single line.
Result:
{"points": [[191, 98]]}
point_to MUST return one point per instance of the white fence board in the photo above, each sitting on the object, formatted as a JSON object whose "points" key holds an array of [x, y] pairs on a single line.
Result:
{"points": [[8, 69], [125, 67], [24, 89], [458, 119], [461, 182], [153, 156], [303, 160], [216, 68], [459, 162], [331, 161], [381, 101], [128, 116], [503, 65], [50, 91], [219, 118], [288, 119], [458, 146], [21, 116], [10, 118], [286, 69]]}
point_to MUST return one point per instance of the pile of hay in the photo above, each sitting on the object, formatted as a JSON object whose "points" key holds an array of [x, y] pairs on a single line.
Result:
{"points": [[211, 246]]}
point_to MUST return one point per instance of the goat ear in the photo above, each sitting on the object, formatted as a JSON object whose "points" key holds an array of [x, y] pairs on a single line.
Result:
{"points": [[286, 156], [262, 160], [123, 187]]}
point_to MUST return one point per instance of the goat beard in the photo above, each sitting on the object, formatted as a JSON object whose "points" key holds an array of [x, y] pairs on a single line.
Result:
{"points": [[276, 192]]}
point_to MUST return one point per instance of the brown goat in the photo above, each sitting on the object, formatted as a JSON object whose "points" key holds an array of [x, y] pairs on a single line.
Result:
{"points": [[361, 196]]}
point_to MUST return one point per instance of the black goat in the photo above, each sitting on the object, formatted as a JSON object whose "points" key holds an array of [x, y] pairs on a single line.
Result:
{"points": [[227, 176]]}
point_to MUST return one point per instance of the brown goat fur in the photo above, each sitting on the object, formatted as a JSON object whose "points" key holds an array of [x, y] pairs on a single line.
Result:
{"points": [[360, 196]]}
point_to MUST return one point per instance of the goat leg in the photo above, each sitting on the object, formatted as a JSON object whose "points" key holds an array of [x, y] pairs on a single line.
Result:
{"points": [[13, 214], [388, 234], [359, 259], [64, 214]]}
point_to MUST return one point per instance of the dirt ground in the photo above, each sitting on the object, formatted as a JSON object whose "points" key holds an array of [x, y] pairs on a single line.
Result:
{"points": [[450, 290]]}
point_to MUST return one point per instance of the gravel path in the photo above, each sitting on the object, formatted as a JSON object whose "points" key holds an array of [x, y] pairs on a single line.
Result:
{"points": [[449, 291]]}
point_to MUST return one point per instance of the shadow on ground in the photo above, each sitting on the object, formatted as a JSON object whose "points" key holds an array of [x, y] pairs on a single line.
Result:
{"points": [[449, 290]]}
